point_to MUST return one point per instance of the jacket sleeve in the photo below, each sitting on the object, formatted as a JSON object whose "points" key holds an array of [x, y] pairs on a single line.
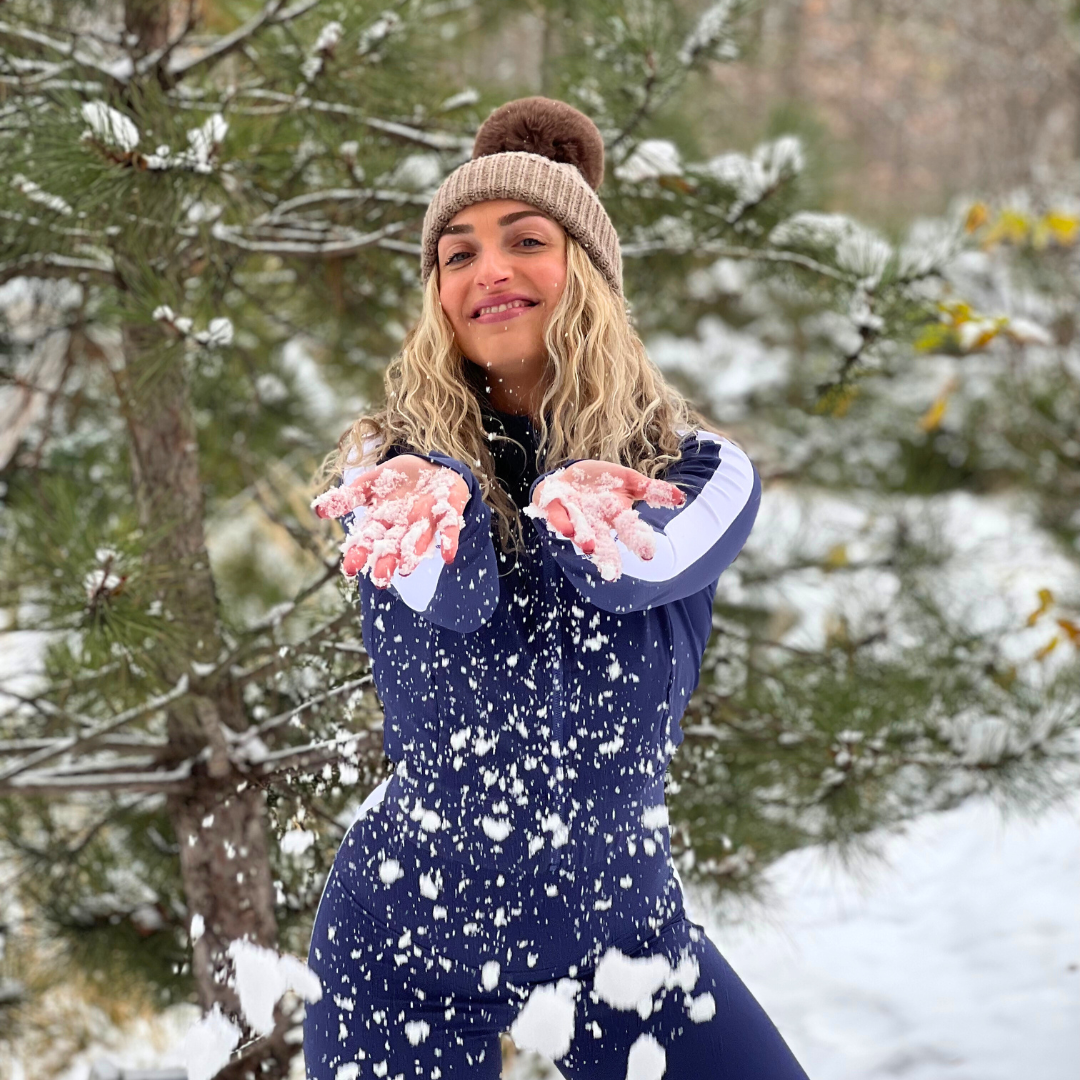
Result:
{"points": [[695, 542], [459, 596]]}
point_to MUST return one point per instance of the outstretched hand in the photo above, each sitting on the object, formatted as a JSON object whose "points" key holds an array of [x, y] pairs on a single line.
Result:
{"points": [[409, 501], [584, 501]]}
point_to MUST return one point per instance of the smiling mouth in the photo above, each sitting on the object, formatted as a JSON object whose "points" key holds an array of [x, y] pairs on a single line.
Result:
{"points": [[489, 310]]}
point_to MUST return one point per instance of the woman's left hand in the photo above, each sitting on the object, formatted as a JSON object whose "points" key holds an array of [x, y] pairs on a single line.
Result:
{"points": [[584, 501]]}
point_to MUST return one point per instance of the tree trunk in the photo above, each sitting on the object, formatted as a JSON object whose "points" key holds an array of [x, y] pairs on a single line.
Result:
{"points": [[219, 823]]}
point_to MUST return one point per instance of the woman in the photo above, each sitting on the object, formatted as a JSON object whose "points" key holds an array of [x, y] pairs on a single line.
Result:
{"points": [[514, 874]]}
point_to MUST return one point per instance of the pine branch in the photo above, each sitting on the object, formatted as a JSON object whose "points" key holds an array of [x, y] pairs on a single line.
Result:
{"points": [[342, 195], [271, 15], [46, 265], [79, 742], [118, 744], [285, 717], [431, 140], [270, 623], [349, 243], [315, 755], [301, 648], [47, 783], [115, 75], [711, 247]]}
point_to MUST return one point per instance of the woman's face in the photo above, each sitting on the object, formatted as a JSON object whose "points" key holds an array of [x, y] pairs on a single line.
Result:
{"points": [[502, 268]]}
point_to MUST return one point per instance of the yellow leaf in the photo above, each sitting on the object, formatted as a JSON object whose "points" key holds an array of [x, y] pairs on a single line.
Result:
{"points": [[836, 400], [1005, 678], [1011, 227], [957, 310], [1064, 228], [1046, 598], [931, 419], [1071, 629], [1047, 648], [935, 337], [977, 217], [836, 557]]}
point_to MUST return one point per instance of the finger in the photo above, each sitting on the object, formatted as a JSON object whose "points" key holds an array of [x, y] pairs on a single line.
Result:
{"points": [[570, 524], [606, 557], [636, 534], [661, 493], [354, 560], [559, 518], [384, 568], [419, 533], [335, 503], [583, 524], [450, 534], [427, 534]]}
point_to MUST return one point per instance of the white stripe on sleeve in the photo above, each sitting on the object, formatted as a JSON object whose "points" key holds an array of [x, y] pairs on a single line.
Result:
{"points": [[690, 534]]}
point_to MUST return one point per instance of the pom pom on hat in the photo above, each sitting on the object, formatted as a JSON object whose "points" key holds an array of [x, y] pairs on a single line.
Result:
{"points": [[553, 129]]}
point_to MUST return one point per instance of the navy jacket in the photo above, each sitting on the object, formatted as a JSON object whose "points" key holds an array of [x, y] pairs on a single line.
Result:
{"points": [[531, 706]]}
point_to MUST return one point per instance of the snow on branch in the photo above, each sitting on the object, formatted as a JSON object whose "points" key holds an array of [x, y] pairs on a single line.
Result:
{"points": [[712, 35], [51, 265], [314, 755]]}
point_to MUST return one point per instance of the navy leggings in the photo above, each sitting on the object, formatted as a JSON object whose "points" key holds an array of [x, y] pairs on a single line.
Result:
{"points": [[395, 1008]]}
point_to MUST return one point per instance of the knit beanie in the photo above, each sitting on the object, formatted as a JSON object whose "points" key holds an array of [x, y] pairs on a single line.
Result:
{"points": [[543, 152]]}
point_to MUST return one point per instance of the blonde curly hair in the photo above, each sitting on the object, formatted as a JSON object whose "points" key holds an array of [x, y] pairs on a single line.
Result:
{"points": [[605, 398]]}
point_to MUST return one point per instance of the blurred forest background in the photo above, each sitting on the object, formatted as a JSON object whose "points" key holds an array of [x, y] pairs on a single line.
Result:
{"points": [[851, 232]]}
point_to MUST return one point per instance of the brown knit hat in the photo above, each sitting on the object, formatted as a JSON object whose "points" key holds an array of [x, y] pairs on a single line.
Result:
{"points": [[543, 152]]}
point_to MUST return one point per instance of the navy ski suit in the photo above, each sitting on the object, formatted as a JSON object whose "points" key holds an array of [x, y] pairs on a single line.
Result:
{"points": [[514, 873]]}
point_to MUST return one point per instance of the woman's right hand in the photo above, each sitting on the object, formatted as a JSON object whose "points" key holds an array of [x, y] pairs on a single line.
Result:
{"points": [[409, 501]]}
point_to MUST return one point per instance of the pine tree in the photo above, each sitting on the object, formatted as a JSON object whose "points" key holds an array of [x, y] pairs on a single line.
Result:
{"points": [[210, 251]]}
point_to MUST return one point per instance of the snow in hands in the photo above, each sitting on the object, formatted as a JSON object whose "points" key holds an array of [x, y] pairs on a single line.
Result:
{"points": [[408, 503], [588, 499]]}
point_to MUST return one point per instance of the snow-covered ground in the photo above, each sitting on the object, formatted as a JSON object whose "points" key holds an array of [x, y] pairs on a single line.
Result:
{"points": [[957, 956]]}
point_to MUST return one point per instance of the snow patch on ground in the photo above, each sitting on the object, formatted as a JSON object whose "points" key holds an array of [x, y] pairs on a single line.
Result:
{"points": [[958, 956]]}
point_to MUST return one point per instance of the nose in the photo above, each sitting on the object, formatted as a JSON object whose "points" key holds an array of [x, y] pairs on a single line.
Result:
{"points": [[491, 267]]}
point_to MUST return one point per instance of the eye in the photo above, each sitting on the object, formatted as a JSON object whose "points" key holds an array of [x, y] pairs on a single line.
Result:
{"points": [[527, 239], [455, 255]]}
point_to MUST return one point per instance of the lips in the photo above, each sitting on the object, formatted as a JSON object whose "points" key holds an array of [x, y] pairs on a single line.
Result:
{"points": [[497, 308]]}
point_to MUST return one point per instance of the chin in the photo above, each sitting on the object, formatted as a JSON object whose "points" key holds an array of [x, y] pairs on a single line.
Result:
{"points": [[507, 358]]}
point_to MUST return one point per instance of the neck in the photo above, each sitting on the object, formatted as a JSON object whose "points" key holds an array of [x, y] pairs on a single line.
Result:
{"points": [[519, 395]]}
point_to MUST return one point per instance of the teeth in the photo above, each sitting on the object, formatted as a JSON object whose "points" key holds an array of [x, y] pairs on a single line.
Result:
{"points": [[503, 307]]}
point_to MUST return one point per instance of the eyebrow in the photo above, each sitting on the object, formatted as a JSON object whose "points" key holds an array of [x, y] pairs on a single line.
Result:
{"points": [[506, 219]]}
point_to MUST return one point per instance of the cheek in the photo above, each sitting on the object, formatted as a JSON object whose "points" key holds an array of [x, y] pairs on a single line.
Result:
{"points": [[451, 309]]}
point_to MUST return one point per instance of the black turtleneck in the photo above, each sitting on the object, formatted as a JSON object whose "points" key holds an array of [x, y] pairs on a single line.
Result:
{"points": [[516, 468]]}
